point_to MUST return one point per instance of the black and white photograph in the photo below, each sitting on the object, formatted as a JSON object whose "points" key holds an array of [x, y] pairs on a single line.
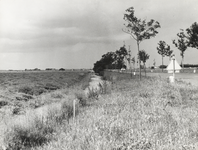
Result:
{"points": [[98, 75]]}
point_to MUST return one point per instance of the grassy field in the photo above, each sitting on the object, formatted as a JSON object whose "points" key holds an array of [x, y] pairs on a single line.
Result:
{"points": [[26, 95], [26, 89], [128, 114]]}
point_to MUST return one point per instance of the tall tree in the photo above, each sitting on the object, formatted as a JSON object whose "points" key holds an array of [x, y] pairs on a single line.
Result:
{"points": [[164, 50], [139, 29], [143, 57], [192, 35], [181, 43]]}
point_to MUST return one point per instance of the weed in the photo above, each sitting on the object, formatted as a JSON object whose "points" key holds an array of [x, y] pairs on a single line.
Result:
{"points": [[3, 103], [51, 86], [105, 87], [67, 110], [26, 89], [82, 98], [36, 134], [57, 95], [93, 93], [16, 110]]}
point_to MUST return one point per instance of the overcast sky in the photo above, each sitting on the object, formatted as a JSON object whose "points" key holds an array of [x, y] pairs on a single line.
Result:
{"points": [[76, 33]]}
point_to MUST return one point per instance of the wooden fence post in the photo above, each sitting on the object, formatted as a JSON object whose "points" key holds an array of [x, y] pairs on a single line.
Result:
{"points": [[74, 108]]}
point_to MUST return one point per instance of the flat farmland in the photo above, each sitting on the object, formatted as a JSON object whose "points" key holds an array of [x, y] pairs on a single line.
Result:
{"points": [[25, 88]]}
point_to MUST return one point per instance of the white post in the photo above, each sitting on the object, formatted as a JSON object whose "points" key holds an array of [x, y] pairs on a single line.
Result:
{"points": [[173, 57], [74, 109]]}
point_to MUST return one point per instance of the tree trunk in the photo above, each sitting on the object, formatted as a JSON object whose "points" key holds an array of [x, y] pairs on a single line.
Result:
{"points": [[139, 61], [145, 69], [162, 64], [182, 62]]}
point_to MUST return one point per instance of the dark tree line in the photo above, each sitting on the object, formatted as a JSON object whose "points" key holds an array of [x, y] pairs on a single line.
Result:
{"points": [[111, 60]]}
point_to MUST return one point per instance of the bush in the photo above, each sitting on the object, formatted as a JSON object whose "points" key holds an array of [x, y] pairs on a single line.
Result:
{"points": [[67, 110], [82, 99], [162, 66], [3, 103], [51, 86], [57, 95], [105, 87], [93, 93], [26, 90], [39, 91], [26, 137]]}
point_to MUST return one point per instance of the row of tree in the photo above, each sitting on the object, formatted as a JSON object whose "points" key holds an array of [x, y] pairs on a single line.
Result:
{"points": [[185, 38], [141, 30], [118, 59]]}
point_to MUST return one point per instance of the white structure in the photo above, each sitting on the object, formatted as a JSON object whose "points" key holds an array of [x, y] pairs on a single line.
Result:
{"points": [[173, 65]]}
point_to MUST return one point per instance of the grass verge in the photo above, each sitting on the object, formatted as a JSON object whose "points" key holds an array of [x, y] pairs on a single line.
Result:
{"points": [[147, 114], [151, 114]]}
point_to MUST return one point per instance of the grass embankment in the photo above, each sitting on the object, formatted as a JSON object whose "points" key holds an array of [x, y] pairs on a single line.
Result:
{"points": [[37, 126], [147, 114]]}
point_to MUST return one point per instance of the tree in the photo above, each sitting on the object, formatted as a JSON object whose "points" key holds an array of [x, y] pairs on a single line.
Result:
{"points": [[106, 62], [143, 57], [120, 55], [111, 60], [139, 29], [181, 44], [133, 61], [164, 50], [192, 35]]}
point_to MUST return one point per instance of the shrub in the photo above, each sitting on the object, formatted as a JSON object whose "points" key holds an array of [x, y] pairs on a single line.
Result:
{"points": [[67, 110], [93, 93], [16, 111], [51, 86], [39, 91], [57, 95], [36, 134], [3, 103], [82, 98], [162, 66], [26, 89], [105, 87]]}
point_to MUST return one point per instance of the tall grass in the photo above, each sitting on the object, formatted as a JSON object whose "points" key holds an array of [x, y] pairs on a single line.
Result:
{"points": [[147, 114], [151, 114], [37, 127]]}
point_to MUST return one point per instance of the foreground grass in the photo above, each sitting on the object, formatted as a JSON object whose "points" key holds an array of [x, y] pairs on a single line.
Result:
{"points": [[37, 126], [151, 114]]}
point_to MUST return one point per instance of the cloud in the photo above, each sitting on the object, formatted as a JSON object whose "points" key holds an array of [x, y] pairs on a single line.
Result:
{"points": [[83, 26], [58, 26]]}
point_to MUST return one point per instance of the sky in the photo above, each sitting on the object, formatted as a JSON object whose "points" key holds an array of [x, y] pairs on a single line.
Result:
{"points": [[74, 34]]}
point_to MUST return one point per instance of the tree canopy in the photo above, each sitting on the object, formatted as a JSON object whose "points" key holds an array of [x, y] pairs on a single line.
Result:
{"points": [[164, 50], [111, 60], [139, 29], [181, 43], [192, 35]]}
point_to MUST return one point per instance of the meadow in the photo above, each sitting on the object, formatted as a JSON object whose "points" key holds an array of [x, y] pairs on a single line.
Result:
{"points": [[26, 88], [126, 114]]}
